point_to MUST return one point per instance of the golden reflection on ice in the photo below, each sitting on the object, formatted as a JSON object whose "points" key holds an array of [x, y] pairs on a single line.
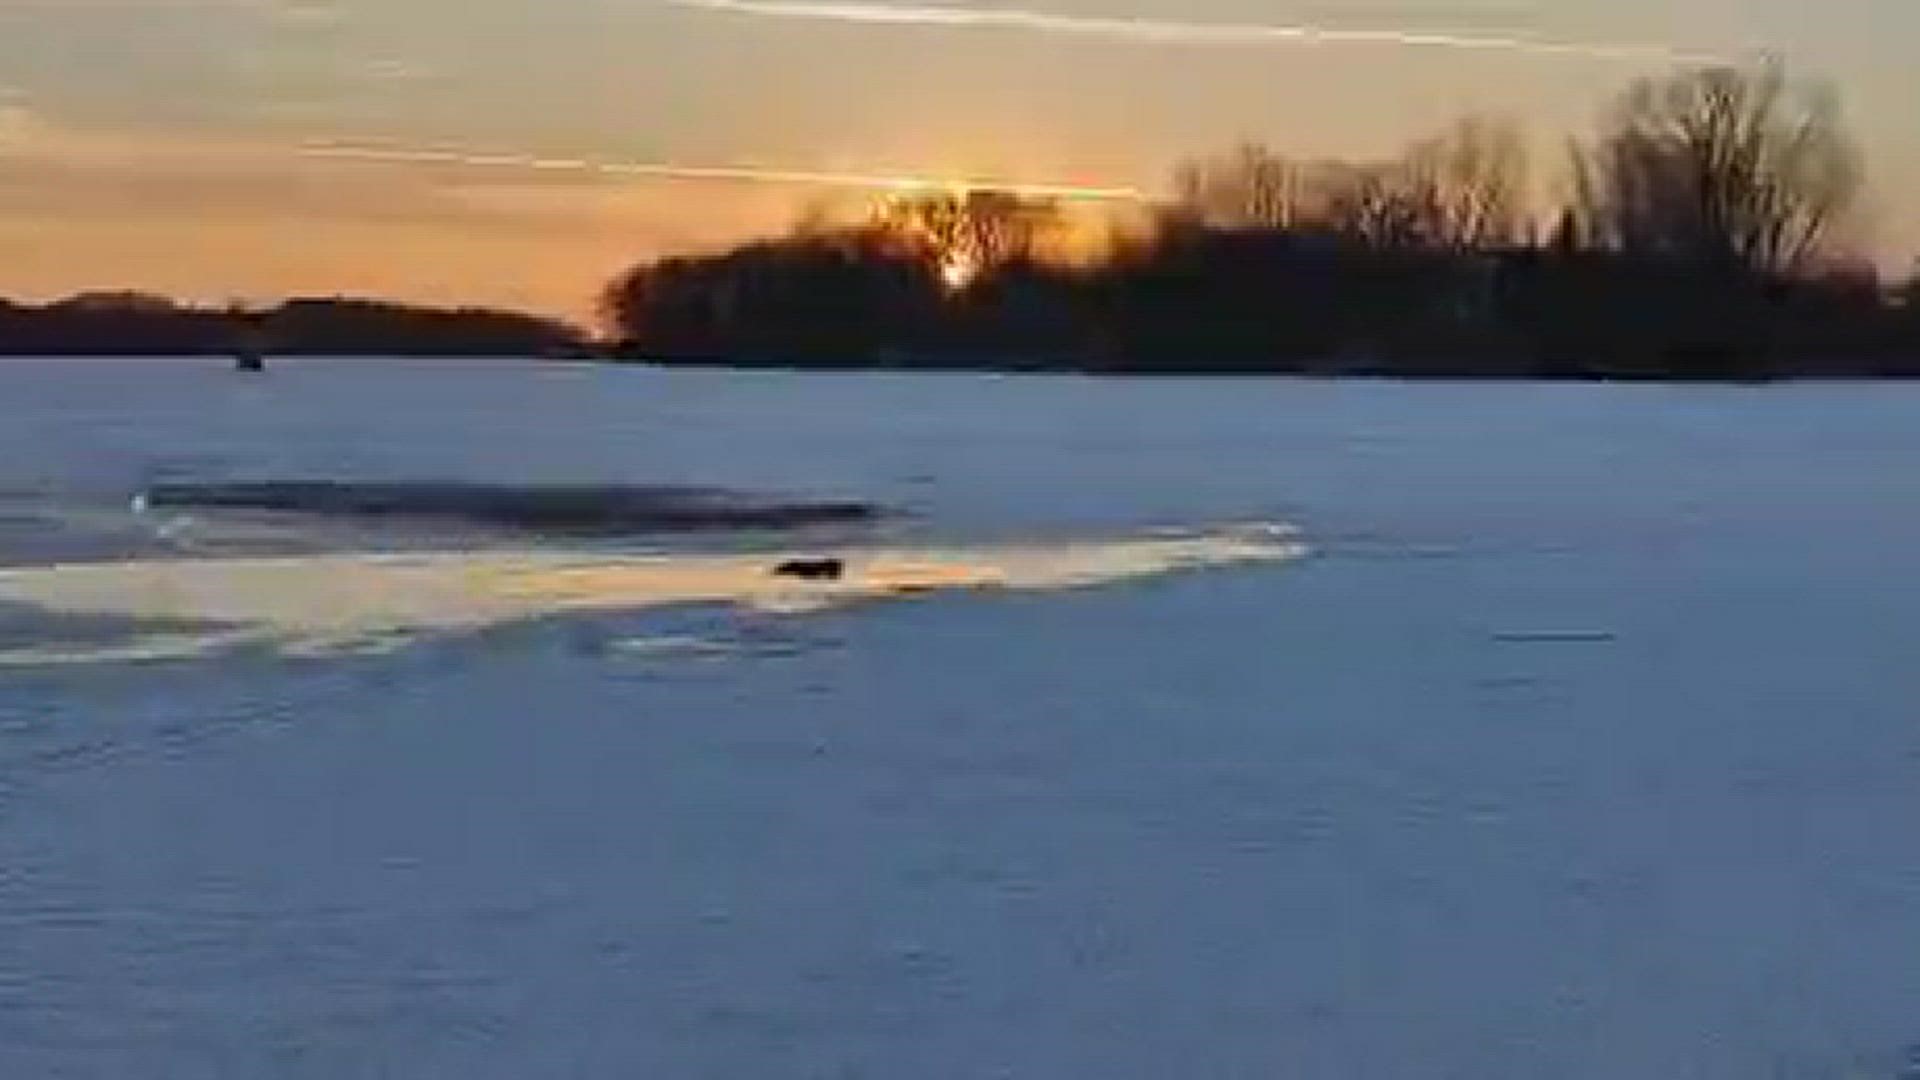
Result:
{"points": [[331, 603]]}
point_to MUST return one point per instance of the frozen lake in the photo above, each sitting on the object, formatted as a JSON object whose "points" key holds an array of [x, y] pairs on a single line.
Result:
{"points": [[1583, 744]]}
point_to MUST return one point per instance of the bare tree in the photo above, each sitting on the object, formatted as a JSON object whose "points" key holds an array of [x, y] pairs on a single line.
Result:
{"points": [[1247, 187], [1471, 184], [1379, 205], [966, 234], [1719, 165], [1464, 188], [1002, 228]]}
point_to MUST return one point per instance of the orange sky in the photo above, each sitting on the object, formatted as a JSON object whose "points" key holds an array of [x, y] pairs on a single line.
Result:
{"points": [[222, 219], [156, 143]]}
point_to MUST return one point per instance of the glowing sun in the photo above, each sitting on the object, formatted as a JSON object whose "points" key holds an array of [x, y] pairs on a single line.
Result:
{"points": [[958, 269]]}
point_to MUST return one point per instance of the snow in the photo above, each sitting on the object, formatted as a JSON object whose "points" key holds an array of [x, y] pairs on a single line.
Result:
{"points": [[315, 604], [1581, 746]]}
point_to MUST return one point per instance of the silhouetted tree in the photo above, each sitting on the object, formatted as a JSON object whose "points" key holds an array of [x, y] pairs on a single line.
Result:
{"points": [[1248, 187], [1697, 245], [1462, 189], [837, 298], [1382, 206], [1470, 182], [965, 235], [1719, 166]]}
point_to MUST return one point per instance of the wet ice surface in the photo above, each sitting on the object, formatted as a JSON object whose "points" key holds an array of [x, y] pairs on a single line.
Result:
{"points": [[1583, 746], [316, 605], [554, 509]]}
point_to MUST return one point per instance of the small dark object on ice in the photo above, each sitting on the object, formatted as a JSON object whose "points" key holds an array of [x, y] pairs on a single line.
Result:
{"points": [[812, 569], [250, 342]]}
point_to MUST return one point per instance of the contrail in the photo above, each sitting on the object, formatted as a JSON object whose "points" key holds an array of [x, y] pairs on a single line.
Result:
{"points": [[719, 173], [1175, 32]]}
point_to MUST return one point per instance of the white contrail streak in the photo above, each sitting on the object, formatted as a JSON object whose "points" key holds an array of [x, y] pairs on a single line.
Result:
{"points": [[1176, 32], [721, 173]]}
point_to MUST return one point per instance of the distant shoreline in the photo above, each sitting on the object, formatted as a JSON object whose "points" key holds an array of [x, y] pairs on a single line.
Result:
{"points": [[943, 366], [138, 325], [1320, 375], [141, 326]]}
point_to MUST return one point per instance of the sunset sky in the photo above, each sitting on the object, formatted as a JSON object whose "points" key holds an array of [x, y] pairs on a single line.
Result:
{"points": [[164, 144]]}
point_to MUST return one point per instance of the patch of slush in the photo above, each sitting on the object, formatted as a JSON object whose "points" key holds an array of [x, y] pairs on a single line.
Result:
{"points": [[350, 603]]}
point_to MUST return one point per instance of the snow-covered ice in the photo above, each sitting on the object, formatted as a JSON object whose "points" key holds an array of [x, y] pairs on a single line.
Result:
{"points": [[1583, 745], [315, 604]]}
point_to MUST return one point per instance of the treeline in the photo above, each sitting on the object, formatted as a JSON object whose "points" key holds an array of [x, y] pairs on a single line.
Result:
{"points": [[138, 324], [1700, 237]]}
